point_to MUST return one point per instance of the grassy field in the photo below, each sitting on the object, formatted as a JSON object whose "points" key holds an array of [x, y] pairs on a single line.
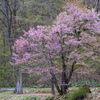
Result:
{"points": [[28, 94], [40, 94]]}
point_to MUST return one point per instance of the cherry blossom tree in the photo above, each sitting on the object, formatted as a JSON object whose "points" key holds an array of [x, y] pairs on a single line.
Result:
{"points": [[67, 41]]}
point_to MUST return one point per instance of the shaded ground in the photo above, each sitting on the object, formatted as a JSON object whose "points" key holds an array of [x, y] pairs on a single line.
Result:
{"points": [[4, 91]]}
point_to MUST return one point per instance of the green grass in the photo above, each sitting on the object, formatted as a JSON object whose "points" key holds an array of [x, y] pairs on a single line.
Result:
{"points": [[29, 90], [37, 90], [27, 94], [98, 88], [30, 97], [20, 97]]}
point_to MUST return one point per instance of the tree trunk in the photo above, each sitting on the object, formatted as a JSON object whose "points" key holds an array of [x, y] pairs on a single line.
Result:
{"points": [[51, 18], [24, 26], [55, 82], [4, 35], [14, 13], [64, 79], [51, 15], [52, 86], [98, 5], [18, 89], [71, 72]]}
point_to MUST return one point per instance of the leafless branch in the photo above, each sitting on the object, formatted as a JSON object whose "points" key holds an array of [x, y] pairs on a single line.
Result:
{"points": [[4, 14], [3, 22]]}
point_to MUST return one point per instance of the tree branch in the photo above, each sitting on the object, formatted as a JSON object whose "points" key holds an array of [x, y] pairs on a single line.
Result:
{"points": [[9, 6], [72, 69], [4, 14], [3, 22]]}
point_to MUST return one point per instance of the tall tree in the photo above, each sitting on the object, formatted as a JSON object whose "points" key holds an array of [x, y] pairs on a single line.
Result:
{"points": [[7, 13]]}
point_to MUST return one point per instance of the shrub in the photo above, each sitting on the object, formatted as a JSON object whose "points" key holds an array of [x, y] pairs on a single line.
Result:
{"points": [[82, 83], [78, 95], [60, 97], [86, 89]]}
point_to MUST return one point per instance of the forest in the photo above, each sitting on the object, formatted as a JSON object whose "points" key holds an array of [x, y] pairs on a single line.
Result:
{"points": [[50, 49]]}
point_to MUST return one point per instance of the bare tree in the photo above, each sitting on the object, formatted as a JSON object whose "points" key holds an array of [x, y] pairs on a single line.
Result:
{"points": [[9, 13]]}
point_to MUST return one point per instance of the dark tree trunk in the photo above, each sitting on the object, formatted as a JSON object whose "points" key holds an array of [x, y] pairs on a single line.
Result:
{"points": [[14, 13], [24, 26], [71, 72], [4, 33], [52, 86], [51, 17], [18, 89], [55, 82], [64, 78], [98, 4]]}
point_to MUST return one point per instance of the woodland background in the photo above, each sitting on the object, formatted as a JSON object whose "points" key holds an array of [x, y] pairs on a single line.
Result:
{"points": [[19, 15]]}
